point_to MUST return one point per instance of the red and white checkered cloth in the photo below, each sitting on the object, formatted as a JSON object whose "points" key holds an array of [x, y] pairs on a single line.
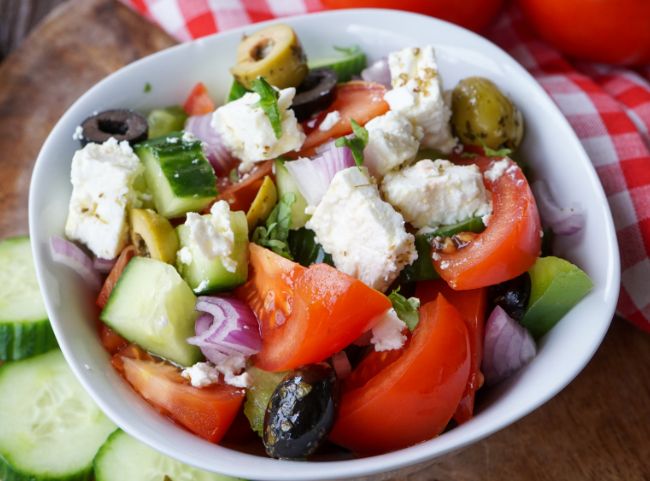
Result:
{"points": [[608, 107]]}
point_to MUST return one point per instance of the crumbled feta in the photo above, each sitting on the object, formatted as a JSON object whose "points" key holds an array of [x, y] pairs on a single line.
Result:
{"points": [[204, 374], [392, 141], [78, 133], [212, 234], [387, 331], [433, 193], [247, 131], [364, 234], [329, 121], [417, 94], [103, 178], [201, 374], [184, 255], [497, 169], [188, 137]]}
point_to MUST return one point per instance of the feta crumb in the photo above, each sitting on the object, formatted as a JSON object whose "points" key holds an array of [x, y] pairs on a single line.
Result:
{"points": [[247, 131], [365, 236], [212, 234], [496, 170], [204, 374], [417, 93], [172, 140], [184, 255], [78, 133], [434, 193], [246, 167], [188, 137], [387, 331], [329, 121], [392, 141], [201, 374], [103, 180]]}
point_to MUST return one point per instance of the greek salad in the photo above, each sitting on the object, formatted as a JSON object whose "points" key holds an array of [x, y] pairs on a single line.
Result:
{"points": [[332, 242]]}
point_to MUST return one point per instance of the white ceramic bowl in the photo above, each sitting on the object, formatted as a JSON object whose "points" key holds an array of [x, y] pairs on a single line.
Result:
{"points": [[550, 146]]}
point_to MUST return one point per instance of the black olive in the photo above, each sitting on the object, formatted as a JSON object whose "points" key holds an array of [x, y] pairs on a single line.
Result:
{"points": [[512, 295], [120, 123], [301, 412], [315, 93]]}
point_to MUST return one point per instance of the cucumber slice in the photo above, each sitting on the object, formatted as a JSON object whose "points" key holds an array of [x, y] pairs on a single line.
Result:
{"points": [[351, 62], [167, 120], [285, 184], [123, 458], [50, 428], [305, 250], [153, 307], [263, 383], [207, 275], [179, 176], [24, 328]]}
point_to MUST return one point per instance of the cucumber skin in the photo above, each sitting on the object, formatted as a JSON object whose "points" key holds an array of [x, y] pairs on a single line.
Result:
{"points": [[20, 340], [345, 66], [286, 184], [7, 473]]}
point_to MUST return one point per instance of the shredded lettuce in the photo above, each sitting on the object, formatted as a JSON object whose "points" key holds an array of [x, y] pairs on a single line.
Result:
{"points": [[269, 104]]}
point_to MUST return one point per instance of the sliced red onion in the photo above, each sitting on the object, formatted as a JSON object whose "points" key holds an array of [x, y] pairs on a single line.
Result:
{"points": [[562, 221], [507, 347], [213, 146], [227, 327], [103, 266], [378, 72], [313, 177], [341, 365], [69, 254]]}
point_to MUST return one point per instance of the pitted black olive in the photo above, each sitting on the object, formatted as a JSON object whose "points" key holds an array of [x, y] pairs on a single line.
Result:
{"points": [[315, 93], [301, 412], [120, 123], [512, 295]]}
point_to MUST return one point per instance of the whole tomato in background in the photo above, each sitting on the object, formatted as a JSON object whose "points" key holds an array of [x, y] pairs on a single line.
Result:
{"points": [[472, 14], [609, 31]]}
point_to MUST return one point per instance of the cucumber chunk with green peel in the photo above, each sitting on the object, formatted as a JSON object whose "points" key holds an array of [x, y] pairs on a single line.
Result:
{"points": [[165, 121], [204, 274], [263, 383], [50, 429], [556, 286], [350, 61], [305, 250], [285, 184], [152, 306], [123, 458], [24, 327], [178, 175]]}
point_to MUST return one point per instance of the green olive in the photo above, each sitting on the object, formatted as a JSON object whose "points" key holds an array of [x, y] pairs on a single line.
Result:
{"points": [[263, 203], [482, 115], [153, 236], [274, 53]]}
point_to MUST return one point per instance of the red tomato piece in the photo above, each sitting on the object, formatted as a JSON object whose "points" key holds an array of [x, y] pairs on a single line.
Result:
{"points": [[240, 196], [508, 246], [199, 101], [412, 398], [305, 314], [125, 256], [472, 305], [207, 412], [358, 100], [110, 339]]}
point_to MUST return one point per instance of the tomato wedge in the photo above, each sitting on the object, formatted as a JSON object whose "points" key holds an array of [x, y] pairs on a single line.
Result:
{"points": [[110, 339], [207, 412], [199, 101], [508, 246], [472, 305], [412, 398], [125, 256], [305, 314], [358, 100], [240, 196]]}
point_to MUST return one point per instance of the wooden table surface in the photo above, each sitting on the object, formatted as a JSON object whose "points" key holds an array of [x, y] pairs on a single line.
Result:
{"points": [[598, 428]]}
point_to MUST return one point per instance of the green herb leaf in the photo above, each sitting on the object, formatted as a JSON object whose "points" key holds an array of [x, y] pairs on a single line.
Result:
{"points": [[353, 50], [269, 104], [237, 91], [147, 88], [407, 309], [233, 175], [275, 233], [355, 143], [495, 153]]}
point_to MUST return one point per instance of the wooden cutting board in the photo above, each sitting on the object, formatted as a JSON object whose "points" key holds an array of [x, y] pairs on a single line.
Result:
{"points": [[598, 428]]}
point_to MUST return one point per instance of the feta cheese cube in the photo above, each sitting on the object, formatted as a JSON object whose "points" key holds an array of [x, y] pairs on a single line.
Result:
{"points": [[364, 234], [247, 132], [103, 178], [417, 94], [213, 235], [392, 141], [434, 193]]}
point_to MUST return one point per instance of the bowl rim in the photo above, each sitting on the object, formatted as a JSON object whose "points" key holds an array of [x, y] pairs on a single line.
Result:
{"points": [[236, 463]]}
